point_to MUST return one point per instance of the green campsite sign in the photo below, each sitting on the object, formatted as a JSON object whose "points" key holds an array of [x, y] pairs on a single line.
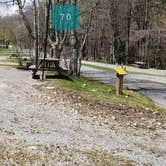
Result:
{"points": [[65, 17]]}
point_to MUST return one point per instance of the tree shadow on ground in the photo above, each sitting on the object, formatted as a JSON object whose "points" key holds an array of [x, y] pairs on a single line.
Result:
{"points": [[64, 77]]}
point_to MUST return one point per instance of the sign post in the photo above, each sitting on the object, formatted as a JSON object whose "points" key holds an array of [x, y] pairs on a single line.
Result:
{"points": [[120, 73]]}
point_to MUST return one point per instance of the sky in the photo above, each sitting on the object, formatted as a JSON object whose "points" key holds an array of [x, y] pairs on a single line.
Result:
{"points": [[4, 10], [8, 10]]}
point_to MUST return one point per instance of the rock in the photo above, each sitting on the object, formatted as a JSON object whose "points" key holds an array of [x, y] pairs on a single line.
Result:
{"points": [[151, 127], [50, 88], [84, 85], [32, 147], [159, 123], [113, 118], [147, 109], [48, 97], [164, 126], [134, 124], [106, 122]]}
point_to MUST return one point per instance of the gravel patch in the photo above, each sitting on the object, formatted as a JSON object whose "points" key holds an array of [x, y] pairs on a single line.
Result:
{"points": [[40, 125]]}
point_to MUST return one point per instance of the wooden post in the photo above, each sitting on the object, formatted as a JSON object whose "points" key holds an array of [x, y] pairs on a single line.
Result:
{"points": [[119, 84], [120, 73]]}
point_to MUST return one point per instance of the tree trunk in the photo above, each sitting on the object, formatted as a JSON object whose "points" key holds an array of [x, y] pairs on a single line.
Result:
{"points": [[36, 33], [74, 56], [127, 33], [48, 5]]}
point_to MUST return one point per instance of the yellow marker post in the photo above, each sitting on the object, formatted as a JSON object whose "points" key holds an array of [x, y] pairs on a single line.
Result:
{"points": [[120, 73]]}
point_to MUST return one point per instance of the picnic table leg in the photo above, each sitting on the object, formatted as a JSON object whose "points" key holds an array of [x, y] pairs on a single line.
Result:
{"points": [[57, 68], [43, 66]]}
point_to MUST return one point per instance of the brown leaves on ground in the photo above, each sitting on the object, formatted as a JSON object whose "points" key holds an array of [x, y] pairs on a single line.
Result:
{"points": [[18, 153], [104, 112]]}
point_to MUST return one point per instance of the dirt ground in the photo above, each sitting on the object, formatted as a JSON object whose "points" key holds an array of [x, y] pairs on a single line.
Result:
{"points": [[43, 125]]}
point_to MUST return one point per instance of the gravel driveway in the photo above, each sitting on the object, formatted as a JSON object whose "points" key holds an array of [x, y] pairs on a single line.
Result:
{"points": [[39, 127]]}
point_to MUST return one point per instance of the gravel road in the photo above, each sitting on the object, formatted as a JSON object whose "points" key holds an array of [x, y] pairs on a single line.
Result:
{"points": [[39, 126], [130, 68], [150, 86]]}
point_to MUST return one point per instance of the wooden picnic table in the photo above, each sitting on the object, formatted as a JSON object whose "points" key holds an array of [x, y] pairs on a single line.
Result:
{"points": [[49, 64]]}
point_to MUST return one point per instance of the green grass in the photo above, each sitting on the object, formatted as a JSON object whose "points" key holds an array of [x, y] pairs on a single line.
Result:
{"points": [[5, 52], [100, 68], [95, 91], [11, 60], [7, 59], [146, 74], [8, 65]]}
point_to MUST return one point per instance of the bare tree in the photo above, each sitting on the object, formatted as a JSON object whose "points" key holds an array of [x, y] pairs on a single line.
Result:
{"points": [[48, 6], [85, 36]]}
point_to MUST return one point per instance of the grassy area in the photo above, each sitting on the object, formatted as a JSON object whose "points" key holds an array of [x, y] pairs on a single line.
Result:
{"points": [[10, 60], [5, 52], [100, 68], [7, 59], [95, 91], [112, 70], [8, 65]]}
